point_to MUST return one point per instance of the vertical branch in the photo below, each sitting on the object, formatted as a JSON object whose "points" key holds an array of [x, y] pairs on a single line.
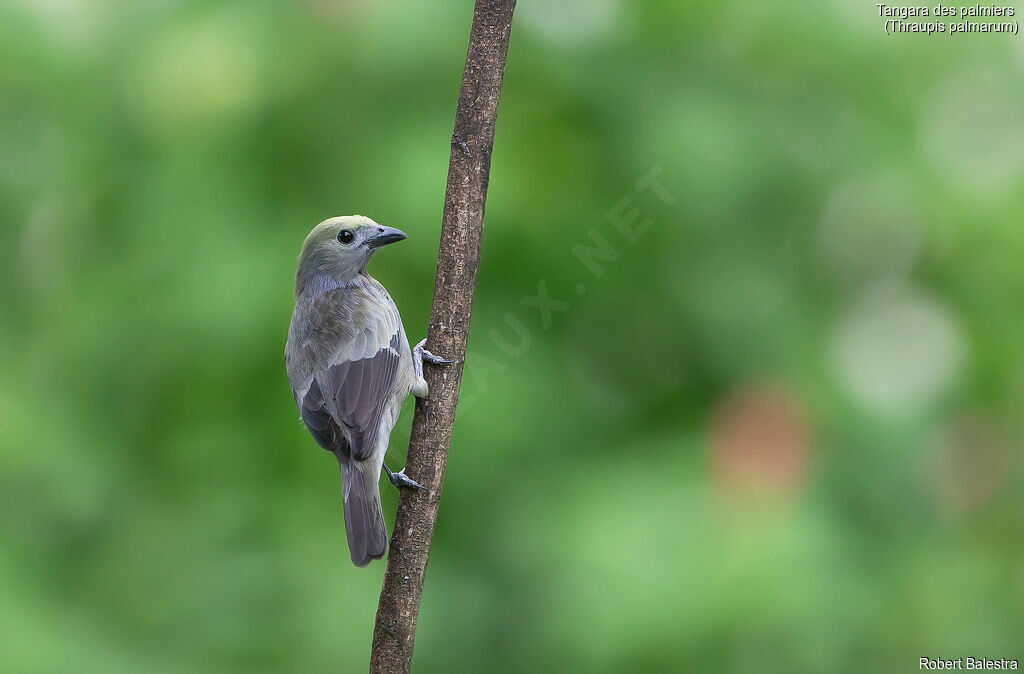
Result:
{"points": [[457, 261]]}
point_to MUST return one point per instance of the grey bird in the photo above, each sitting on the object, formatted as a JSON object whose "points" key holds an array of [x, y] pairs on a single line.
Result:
{"points": [[351, 368]]}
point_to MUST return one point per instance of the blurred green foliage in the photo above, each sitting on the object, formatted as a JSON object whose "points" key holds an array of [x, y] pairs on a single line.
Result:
{"points": [[780, 433]]}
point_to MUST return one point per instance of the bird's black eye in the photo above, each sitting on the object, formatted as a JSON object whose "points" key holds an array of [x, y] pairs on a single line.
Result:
{"points": [[346, 236]]}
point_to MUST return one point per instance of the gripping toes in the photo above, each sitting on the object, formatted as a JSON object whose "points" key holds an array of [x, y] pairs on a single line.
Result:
{"points": [[400, 479], [424, 355], [420, 354], [437, 360]]}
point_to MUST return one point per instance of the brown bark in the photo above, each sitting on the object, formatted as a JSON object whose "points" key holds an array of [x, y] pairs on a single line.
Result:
{"points": [[457, 261]]}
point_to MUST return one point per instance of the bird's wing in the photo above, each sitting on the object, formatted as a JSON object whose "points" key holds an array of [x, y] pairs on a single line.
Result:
{"points": [[356, 391], [347, 397]]}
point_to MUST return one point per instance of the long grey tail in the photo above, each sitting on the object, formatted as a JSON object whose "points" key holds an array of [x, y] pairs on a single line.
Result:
{"points": [[364, 519]]}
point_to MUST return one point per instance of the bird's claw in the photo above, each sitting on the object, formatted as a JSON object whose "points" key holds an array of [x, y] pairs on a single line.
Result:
{"points": [[436, 360], [400, 479], [429, 357]]}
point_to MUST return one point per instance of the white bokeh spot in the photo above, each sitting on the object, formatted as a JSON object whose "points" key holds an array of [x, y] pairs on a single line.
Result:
{"points": [[973, 132], [896, 349]]}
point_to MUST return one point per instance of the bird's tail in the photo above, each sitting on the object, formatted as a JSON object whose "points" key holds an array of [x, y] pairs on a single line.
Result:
{"points": [[364, 519]]}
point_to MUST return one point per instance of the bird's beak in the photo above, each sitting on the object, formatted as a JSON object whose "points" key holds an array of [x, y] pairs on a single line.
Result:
{"points": [[384, 236]]}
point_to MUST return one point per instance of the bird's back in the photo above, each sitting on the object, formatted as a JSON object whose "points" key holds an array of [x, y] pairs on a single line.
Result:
{"points": [[350, 321]]}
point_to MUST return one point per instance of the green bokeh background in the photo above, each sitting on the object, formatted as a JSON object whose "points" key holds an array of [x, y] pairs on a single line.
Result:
{"points": [[781, 432]]}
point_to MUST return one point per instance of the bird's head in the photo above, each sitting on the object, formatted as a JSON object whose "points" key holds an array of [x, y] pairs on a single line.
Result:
{"points": [[340, 248]]}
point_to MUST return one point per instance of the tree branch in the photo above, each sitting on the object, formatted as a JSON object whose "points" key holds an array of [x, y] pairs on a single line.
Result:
{"points": [[457, 261]]}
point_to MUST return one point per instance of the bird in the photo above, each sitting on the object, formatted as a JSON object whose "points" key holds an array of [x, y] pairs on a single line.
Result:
{"points": [[350, 367]]}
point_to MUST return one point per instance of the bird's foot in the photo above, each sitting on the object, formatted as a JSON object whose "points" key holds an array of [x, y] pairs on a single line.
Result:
{"points": [[421, 354], [400, 479]]}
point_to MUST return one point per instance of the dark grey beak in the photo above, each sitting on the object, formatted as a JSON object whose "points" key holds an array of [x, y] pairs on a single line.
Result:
{"points": [[384, 236]]}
